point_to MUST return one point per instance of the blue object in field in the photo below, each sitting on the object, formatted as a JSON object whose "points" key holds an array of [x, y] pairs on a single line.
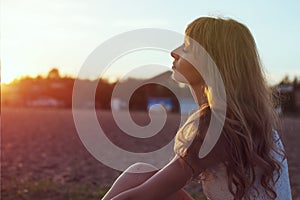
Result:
{"points": [[165, 102]]}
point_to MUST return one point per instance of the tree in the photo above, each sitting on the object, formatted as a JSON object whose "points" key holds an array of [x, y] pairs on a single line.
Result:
{"points": [[54, 74]]}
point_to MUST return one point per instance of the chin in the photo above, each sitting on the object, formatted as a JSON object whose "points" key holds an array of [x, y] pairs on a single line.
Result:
{"points": [[179, 77]]}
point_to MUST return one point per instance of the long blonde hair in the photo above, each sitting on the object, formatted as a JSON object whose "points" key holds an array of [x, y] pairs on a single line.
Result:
{"points": [[250, 116]]}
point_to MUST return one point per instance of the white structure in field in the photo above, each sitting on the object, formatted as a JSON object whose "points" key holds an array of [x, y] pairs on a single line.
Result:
{"points": [[118, 104], [188, 106]]}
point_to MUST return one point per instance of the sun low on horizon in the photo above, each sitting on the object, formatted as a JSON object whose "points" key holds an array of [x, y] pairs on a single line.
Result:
{"points": [[36, 35], [8, 76]]}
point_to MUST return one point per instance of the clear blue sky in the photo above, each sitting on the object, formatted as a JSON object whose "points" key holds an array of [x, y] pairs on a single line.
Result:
{"points": [[37, 35]]}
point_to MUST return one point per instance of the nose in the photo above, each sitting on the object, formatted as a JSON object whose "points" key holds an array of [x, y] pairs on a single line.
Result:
{"points": [[174, 55]]}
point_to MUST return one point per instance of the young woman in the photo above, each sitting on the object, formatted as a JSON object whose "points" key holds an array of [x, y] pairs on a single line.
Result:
{"points": [[248, 160]]}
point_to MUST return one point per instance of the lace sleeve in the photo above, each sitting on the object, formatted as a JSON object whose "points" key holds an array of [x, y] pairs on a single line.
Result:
{"points": [[282, 186]]}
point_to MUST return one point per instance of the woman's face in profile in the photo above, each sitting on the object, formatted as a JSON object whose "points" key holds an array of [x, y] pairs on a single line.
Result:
{"points": [[183, 70]]}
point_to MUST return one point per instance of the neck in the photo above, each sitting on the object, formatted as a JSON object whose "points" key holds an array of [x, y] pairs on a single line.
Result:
{"points": [[197, 91]]}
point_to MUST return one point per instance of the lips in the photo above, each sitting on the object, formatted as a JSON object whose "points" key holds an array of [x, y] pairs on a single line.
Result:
{"points": [[173, 66]]}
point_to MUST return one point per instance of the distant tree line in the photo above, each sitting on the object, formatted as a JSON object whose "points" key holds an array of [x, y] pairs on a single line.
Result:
{"points": [[22, 92], [287, 95], [28, 91]]}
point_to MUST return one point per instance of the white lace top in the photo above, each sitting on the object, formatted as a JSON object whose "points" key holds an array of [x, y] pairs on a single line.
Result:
{"points": [[215, 185]]}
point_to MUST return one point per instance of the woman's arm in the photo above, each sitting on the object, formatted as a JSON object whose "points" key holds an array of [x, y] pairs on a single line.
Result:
{"points": [[163, 184], [178, 172]]}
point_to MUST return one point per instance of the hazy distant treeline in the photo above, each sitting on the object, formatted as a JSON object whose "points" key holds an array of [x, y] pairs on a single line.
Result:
{"points": [[54, 90]]}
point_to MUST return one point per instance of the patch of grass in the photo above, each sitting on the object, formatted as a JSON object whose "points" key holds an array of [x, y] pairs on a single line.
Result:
{"points": [[48, 190], [195, 190]]}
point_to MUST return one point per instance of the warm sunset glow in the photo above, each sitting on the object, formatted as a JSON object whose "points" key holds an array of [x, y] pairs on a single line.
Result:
{"points": [[7, 75], [112, 79], [37, 35]]}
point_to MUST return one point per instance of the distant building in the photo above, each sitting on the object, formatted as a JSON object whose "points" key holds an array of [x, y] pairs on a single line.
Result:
{"points": [[166, 103], [118, 104], [289, 97], [297, 98], [284, 88], [187, 105], [45, 102], [186, 102]]}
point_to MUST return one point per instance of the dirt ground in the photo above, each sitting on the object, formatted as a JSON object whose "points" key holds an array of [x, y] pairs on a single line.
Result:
{"points": [[43, 145]]}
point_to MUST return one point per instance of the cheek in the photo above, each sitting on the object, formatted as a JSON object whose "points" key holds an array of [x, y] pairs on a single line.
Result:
{"points": [[186, 73], [184, 67], [179, 74], [190, 73]]}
